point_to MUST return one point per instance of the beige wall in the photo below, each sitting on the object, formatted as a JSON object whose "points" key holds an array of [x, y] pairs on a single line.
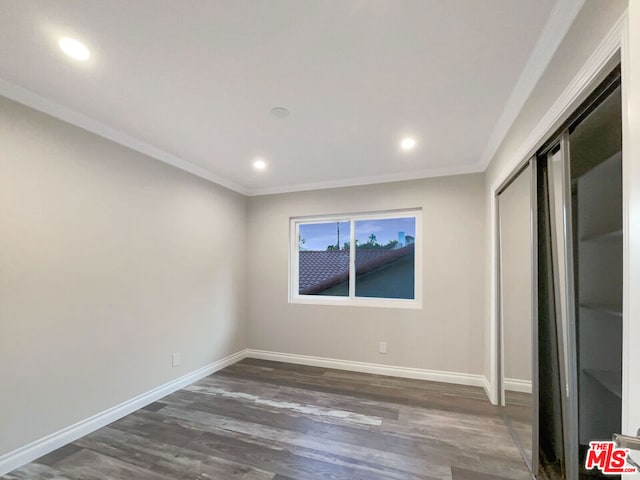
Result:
{"points": [[110, 261], [592, 24], [446, 335]]}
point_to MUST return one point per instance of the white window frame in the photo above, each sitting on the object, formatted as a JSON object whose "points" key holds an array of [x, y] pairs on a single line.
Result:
{"points": [[352, 300]]}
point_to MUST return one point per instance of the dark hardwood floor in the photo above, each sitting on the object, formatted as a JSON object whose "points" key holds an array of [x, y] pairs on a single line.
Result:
{"points": [[259, 420]]}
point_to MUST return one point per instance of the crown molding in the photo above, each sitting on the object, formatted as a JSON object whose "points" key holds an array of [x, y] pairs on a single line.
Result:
{"points": [[37, 102], [372, 180], [40, 103], [556, 27], [594, 70]]}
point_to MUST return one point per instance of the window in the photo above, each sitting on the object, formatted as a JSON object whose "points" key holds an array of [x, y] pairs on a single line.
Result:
{"points": [[365, 259]]}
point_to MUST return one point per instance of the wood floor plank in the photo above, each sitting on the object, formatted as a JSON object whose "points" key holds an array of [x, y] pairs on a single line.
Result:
{"points": [[90, 465], [373, 387], [395, 465], [251, 450], [261, 420], [36, 471], [463, 474], [59, 454], [323, 399], [171, 460]]}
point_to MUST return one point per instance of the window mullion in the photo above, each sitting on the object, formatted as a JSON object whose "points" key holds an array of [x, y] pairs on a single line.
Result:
{"points": [[352, 260]]}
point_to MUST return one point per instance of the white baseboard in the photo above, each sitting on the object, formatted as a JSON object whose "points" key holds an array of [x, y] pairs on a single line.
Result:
{"points": [[23, 455], [516, 385], [488, 389], [376, 368]]}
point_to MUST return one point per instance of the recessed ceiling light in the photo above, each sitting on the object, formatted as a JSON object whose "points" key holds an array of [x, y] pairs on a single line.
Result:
{"points": [[259, 164], [74, 48], [407, 143], [280, 112]]}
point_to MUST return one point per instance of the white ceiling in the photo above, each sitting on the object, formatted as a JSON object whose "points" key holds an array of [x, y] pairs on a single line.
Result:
{"points": [[191, 82]]}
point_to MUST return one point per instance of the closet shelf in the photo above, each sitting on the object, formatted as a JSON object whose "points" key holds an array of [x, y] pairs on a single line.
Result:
{"points": [[609, 379], [611, 310], [611, 235]]}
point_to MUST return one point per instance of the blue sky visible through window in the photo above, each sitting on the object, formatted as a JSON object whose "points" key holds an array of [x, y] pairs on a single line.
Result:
{"points": [[319, 236], [384, 230]]}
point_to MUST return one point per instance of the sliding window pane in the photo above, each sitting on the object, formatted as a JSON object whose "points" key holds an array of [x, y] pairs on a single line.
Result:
{"points": [[323, 252], [385, 258]]}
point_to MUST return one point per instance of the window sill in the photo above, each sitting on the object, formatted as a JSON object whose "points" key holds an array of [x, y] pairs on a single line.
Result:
{"points": [[357, 302]]}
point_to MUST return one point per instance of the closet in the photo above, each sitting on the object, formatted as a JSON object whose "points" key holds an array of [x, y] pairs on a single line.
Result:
{"points": [[596, 182], [575, 312]]}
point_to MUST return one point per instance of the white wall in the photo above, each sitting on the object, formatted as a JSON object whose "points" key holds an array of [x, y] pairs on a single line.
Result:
{"points": [[447, 335], [591, 26], [110, 261]]}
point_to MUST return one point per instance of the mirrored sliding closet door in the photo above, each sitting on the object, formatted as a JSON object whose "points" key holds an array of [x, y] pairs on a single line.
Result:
{"points": [[515, 230]]}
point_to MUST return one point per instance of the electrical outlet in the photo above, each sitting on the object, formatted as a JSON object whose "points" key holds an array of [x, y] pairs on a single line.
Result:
{"points": [[175, 359], [383, 347]]}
